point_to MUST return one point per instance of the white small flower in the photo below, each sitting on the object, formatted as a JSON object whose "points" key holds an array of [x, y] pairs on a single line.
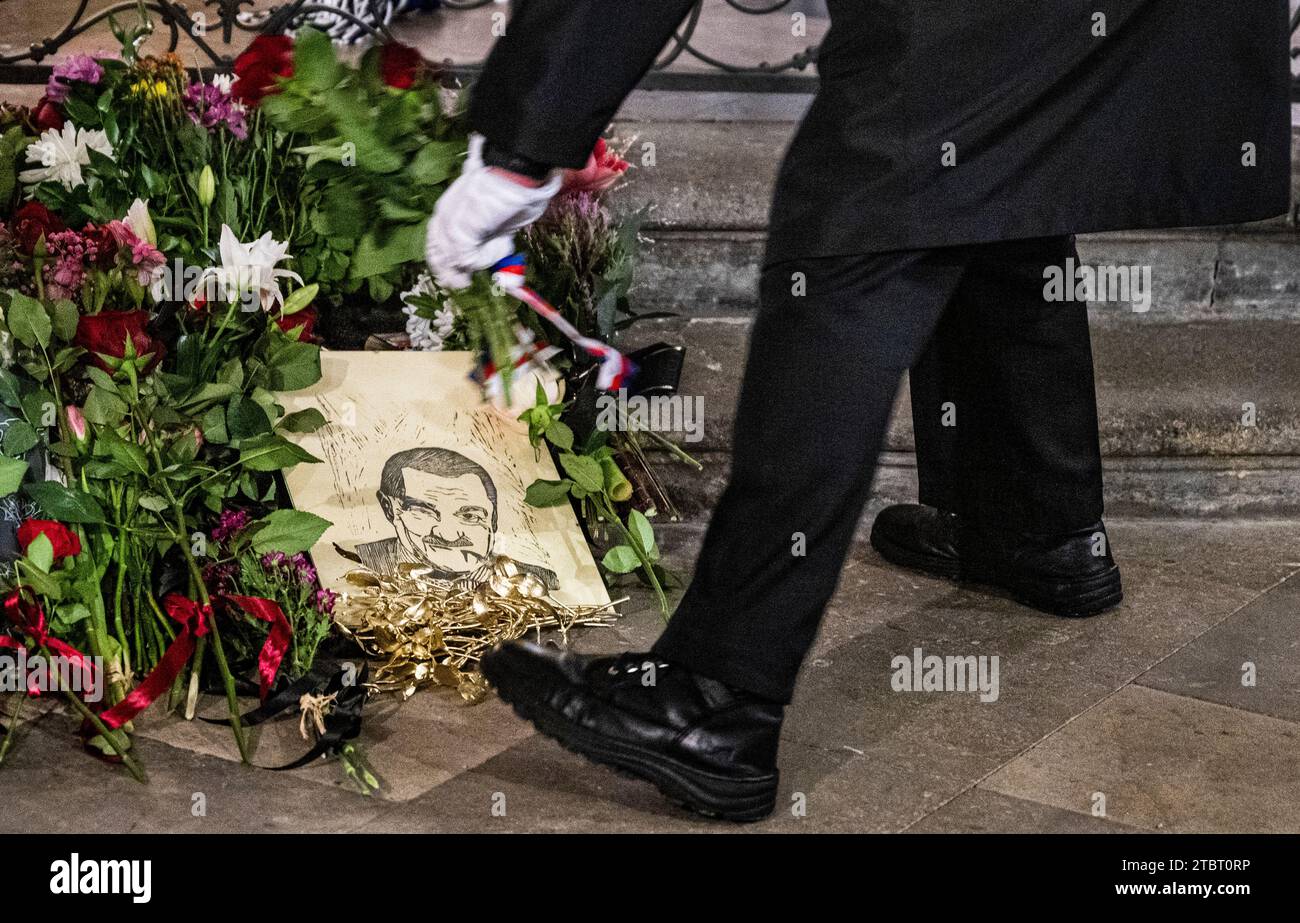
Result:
{"points": [[222, 82], [248, 271], [62, 154], [444, 319], [424, 333]]}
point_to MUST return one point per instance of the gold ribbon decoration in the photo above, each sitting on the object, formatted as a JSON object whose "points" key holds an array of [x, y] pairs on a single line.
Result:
{"points": [[432, 631]]}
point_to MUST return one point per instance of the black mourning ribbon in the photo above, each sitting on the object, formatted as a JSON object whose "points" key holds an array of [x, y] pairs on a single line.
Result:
{"points": [[342, 722]]}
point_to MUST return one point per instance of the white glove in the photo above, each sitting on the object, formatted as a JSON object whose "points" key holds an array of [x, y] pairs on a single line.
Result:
{"points": [[474, 222]]}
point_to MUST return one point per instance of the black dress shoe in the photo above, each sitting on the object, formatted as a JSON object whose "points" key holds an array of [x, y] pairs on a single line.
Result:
{"points": [[705, 745], [1071, 574]]}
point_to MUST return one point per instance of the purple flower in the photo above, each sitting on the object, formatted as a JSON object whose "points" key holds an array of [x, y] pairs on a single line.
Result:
{"points": [[80, 67], [212, 107], [273, 559], [231, 522], [306, 573], [324, 601]]}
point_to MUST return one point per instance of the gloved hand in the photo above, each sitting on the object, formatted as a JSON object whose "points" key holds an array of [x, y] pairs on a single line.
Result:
{"points": [[474, 222]]}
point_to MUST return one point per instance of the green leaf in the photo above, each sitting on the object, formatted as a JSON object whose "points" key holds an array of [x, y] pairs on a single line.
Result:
{"points": [[642, 531], [290, 531], [39, 581], [621, 559], [213, 425], [246, 418], [40, 553], [314, 62], [272, 453], [28, 321], [19, 438], [9, 391], [300, 299], [295, 365], [585, 472], [66, 317], [547, 493], [127, 454], [307, 420], [232, 373], [436, 162], [11, 474], [104, 408], [61, 503], [375, 255], [152, 502], [559, 435]]}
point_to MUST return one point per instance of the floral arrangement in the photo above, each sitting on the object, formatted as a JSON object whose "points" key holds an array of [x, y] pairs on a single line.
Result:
{"points": [[166, 247]]}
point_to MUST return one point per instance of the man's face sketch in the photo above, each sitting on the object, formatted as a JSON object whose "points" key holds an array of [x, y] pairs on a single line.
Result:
{"points": [[442, 507]]}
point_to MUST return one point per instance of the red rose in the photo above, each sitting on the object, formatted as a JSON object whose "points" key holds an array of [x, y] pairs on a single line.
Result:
{"points": [[65, 541], [31, 221], [47, 115], [265, 59], [399, 65], [303, 321], [106, 334], [603, 170]]}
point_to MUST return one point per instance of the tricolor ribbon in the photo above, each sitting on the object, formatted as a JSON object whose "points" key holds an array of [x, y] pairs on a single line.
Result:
{"points": [[29, 618], [615, 368], [194, 620]]}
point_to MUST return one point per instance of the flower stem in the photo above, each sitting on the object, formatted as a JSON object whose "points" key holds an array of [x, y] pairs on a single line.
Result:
{"points": [[13, 726], [103, 730]]}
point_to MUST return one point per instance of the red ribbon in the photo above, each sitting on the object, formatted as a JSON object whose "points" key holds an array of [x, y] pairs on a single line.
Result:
{"points": [[29, 618], [277, 642], [194, 625]]}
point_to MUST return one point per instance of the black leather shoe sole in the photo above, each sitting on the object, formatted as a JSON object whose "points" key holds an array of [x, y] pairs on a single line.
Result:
{"points": [[1070, 598], [724, 797]]}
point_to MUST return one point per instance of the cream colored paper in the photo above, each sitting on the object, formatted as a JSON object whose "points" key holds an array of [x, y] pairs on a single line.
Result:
{"points": [[379, 404]]}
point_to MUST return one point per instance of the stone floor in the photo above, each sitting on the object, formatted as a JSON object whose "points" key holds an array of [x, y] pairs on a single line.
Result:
{"points": [[1137, 719]]}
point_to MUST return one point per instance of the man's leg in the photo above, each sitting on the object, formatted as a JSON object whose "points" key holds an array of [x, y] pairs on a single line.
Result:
{"points": [[1008, 459], [1004, 406], [822, 373]]}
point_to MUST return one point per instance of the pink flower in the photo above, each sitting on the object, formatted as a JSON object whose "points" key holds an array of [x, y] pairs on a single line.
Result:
{"points": [[76, 422], [70, 254], [148, 261], [79, 67], [604, 168]]}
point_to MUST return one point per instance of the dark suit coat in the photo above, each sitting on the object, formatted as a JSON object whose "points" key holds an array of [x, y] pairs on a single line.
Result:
{"points": [[1054, 129]]}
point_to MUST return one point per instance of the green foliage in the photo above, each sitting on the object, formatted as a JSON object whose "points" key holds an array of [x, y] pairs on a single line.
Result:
{"points": [[594, 480], [375, 161]]}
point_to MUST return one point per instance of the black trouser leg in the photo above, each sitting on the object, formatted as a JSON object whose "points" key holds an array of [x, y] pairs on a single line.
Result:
{"points": [[821, 377], [1012, 373]]}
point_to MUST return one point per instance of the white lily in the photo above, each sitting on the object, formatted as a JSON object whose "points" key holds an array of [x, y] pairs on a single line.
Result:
{"points": [[62, 154], [138, 220], [248, 271]]}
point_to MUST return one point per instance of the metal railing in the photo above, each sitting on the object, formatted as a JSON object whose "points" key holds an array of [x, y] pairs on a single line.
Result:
{"points": [[361, 18]]}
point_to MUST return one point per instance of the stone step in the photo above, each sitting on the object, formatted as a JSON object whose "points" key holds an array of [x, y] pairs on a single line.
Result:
{"points": [[1170, 398], [1163, 389], [718, 176], [710, 184], [1256, 487]]}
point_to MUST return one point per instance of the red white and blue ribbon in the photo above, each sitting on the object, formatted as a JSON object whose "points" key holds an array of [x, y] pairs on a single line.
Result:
{"points": [[615, 368]]}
